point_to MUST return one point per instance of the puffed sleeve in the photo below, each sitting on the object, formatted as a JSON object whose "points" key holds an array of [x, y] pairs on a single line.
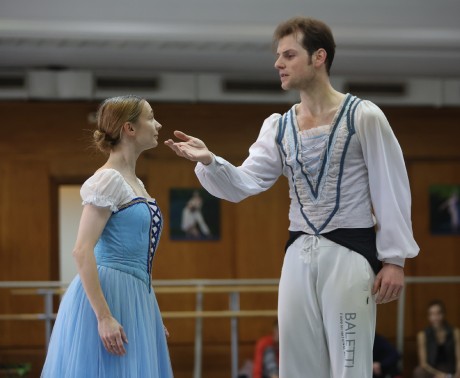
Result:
{"points": [[105, 188], [258, 172], [388, 184]]}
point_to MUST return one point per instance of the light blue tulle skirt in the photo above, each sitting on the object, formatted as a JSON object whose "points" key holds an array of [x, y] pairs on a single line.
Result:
{"points": [[76, 350]]}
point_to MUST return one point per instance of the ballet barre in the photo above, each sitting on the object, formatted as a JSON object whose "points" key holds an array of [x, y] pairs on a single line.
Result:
{"points": [[22, 317], [198, 287]]}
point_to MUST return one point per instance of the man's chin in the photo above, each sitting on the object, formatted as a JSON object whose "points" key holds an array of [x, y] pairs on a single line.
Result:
{"points": [[285, 86]]}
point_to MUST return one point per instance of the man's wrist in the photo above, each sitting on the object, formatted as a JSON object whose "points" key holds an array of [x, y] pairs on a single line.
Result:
{"points": [[208, 160], [395, 261]]}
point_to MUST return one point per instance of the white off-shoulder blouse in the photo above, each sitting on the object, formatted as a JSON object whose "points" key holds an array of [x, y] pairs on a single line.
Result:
{"points": [[107, 188]]}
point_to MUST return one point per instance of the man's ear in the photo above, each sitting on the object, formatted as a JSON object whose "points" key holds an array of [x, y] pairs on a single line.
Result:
{"points": [[320, 57]]}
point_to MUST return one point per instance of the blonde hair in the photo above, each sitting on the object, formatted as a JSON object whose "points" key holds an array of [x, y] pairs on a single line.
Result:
{"points": [[112, 114]]}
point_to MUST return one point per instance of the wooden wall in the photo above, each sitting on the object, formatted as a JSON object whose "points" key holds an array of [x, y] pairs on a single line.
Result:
{"points": [[43, 145]]}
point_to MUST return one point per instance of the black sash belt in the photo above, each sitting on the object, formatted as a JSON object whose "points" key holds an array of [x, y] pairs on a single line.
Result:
{"points": [[360, 240]]}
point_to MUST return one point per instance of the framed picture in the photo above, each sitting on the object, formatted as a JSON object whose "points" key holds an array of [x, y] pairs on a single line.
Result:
{"points": [[445, 209], [194, 214]]}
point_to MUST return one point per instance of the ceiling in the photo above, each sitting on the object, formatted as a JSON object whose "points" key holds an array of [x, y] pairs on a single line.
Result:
{"points": [[386, 38]]}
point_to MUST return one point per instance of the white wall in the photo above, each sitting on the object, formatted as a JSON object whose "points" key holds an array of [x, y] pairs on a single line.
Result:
{"points": [[69, 217]]}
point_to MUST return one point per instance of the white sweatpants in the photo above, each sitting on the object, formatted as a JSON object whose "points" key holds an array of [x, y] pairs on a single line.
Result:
{"points": [[326, 311]]}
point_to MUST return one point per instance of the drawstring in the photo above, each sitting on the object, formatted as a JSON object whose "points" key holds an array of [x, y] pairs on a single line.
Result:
{"points": [[310, 243]]}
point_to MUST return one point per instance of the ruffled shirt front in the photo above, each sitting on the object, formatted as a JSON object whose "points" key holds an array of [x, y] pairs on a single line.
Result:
{"points": [[373, 178]]}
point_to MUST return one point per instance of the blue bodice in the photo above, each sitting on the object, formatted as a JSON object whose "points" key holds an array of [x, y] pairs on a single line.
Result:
{"points": [[130, 239]]}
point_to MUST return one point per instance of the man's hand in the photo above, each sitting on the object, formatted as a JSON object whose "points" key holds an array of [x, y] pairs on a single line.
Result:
{"points": [[388, 283], [191, 148]]}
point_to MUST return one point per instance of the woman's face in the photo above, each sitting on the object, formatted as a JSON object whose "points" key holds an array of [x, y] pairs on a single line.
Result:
{"points": [[435, 316], [147, 128]]}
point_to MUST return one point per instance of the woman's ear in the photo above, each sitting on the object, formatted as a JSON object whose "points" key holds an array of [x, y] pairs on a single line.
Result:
{"points": [[128, 128]]}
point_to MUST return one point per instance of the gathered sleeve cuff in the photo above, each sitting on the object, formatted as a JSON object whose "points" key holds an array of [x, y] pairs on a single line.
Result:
{"points": [[104, 189], [258, 172], [388, 184]]}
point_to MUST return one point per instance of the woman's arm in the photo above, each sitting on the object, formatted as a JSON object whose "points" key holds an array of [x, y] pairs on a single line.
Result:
{"points": [[92, 223]]}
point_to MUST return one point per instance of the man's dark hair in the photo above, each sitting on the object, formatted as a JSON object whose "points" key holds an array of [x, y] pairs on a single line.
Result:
{"points": [[316, 35]]}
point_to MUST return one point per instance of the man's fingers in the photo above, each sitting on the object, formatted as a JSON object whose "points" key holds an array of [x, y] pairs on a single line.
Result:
{"points": [[382, 291], [387, 297], [182, 136], [394, 293], [388, 293], [388, 284], [380, 295], [376, 286], [180, 148], [174, 146], [186, 153], [176, 149]]}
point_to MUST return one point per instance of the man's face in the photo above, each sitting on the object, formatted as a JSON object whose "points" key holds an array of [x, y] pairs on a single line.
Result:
{"points": [[293, 62]]}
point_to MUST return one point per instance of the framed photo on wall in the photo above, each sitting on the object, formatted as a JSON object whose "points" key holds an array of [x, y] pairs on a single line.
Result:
{"points": [[194, 214], [445, 209]]}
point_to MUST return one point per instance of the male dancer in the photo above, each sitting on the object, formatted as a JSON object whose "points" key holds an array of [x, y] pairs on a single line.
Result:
{"points": [[349, 216]]}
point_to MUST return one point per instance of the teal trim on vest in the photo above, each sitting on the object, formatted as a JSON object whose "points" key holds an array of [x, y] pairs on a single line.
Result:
{"points": [[287, 136]]}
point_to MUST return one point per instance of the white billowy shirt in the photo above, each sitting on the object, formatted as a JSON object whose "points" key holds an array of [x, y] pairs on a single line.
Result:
{"points": [[350, 174]]}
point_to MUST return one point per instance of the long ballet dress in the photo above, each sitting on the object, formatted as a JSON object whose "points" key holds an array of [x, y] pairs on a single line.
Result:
{"points": [[124, 255]]}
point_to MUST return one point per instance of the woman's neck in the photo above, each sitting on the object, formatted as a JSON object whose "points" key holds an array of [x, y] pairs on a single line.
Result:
{"points": [[123, 161]]}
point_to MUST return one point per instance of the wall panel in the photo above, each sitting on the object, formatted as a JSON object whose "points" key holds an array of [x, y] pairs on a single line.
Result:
{"points": [[44, 144]]}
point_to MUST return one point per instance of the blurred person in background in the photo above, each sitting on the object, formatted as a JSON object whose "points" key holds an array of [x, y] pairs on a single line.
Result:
{"points": [[386, 359], [438, 346], [266, 356]]}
